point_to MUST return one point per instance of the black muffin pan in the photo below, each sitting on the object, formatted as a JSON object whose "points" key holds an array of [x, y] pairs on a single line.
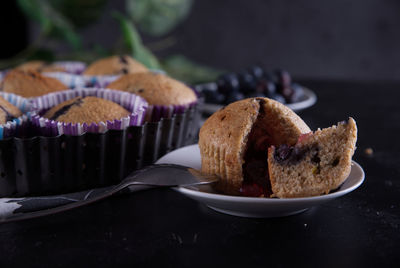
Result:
{"points": [[52, 165]]}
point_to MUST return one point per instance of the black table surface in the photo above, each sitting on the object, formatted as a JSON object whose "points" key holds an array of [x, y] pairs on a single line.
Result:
{"points": [[163, 227]]}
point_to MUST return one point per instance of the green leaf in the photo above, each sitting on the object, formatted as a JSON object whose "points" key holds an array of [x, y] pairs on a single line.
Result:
{"points": [[158, 17], [134, 43], [80, 13], [42, 54], [181, 68], [52, 22]]}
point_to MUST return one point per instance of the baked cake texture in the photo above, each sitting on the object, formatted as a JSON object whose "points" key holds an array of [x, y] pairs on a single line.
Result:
{"points": [[317, 164], [8, 111], [39, 66], [156, 89], [115, 65], [86, 110], [30, 84], [234, 143]]}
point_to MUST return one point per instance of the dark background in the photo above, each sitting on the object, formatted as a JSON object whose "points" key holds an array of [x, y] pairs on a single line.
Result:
{"points": [[348, 41], [339, 40]]}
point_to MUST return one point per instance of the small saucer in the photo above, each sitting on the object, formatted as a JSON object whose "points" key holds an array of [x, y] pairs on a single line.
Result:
{"points": [[254, 207]]}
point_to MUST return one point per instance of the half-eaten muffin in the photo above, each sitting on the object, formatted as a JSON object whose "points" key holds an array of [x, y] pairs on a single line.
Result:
{"points": [[234, 143]]}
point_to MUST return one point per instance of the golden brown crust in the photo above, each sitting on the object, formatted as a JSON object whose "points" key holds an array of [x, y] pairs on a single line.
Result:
{"points": [[282, 124], [324, 166], [30, 84], [156, 89], [8, 110], [115, 65], [223, 137], [86, 110], [222, 142], [39, 66]]}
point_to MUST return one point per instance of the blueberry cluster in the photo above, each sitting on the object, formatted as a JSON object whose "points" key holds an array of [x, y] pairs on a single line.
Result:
{"points": [[253, 82]]}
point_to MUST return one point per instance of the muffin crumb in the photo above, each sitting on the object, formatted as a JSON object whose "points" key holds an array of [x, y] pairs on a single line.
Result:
{"points": [[369, 152]]}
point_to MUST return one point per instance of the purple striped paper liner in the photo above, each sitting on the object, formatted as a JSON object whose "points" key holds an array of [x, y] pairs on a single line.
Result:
{"points": [[154, 113], [77, 80], [3, 74], [11, 128], [72, 67], [70, 80], [133, 103], [102, 81]]}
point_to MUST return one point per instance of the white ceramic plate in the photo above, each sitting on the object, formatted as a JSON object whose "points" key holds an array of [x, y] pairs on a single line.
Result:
{"points": [[253, 206], [309, 100]]}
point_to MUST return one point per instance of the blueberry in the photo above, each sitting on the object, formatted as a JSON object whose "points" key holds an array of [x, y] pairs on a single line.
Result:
{"points": [[282, 153], [272, 77], [298, 93], [212, 96], [279, 98], [228, 83], [256, 94], [266, 87], [287, 93], [247, 83], [206, 87], [234, 96], [284, 79], [256, 71]]}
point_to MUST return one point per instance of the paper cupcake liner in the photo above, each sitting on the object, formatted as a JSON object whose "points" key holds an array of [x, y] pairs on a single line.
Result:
{"points": [[154, 113], [2, 75], [72, 67], [77, 79], [51, 165], [46, 127], [100, 81], [18, 125], [70, 80]]}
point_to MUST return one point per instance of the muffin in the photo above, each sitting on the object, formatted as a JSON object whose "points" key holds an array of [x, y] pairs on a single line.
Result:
{"points": [[234, 143], [62, 156], [14, 116], [86, 110], [115, 65], [317, 164], [75, 112], [30, 84], [40, 66], [157, 89], [165, 95], [8, 111]]}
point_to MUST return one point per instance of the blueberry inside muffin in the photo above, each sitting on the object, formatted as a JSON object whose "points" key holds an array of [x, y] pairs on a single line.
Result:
{"points": [[8, 111], [86, 110], [234, 143], [317, 164]]}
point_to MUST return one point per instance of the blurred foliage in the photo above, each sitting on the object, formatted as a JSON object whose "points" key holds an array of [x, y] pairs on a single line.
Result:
{"points": [[60, 20], [80, 13], [182, 68], [52, 22], [134, 43], [158, 17]]}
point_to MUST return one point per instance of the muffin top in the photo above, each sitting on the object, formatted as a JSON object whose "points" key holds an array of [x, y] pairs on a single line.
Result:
{"points": [[8, 111], [39, 66], [115, 65], [30, 84], [156, 89], [86, 110]]}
